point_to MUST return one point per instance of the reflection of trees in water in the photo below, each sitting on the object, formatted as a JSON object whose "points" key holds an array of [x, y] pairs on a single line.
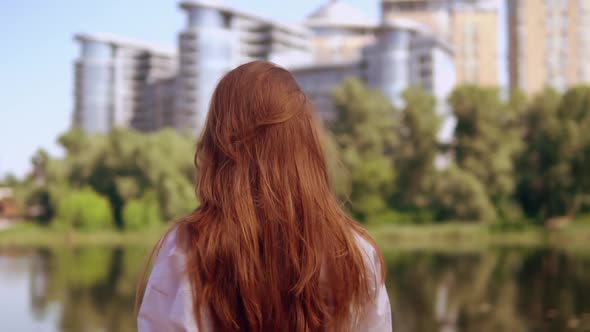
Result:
{"points": [[500, 290], [558, 296], [40, 268], [94, 286]]}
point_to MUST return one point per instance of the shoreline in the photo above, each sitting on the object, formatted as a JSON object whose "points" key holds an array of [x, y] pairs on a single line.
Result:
{"points": [[455, 237], [31, 235], [451, 237]]}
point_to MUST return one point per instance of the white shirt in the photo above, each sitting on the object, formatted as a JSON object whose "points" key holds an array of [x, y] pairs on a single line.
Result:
{"points": [[167, 303]]}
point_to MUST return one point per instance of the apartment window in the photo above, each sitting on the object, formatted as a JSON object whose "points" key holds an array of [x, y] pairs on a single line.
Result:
{"points": [[558, 82], [227, 20], [425, 73], [553, 72], [555, 23], [556, 60], [471, 76], [97, 50], [469, 29], [411, 6], [206, 17], [555, 43], [584, 21], [469, 67], [584, 45], [556, 4], [424, 59], [470, 39], [584, 18]]}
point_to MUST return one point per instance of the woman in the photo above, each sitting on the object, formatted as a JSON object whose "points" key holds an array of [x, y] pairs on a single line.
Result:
{"points": [[269, 248]]}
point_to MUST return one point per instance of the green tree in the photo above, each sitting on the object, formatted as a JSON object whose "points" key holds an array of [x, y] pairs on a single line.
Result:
{"points": [[142, 213], [9, 180], [574, 148], [553, 171], [167, 165], [123, 165], [540, 132], [486, 139], [365, 133], [339, 175], [458, 195], [415, 155], [84, 210]]}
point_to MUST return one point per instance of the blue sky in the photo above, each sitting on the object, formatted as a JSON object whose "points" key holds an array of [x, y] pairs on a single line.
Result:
{"points": [[36, 62]]}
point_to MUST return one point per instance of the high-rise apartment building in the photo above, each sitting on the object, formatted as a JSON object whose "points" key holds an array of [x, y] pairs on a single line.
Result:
{"points": [[434, 14], [112, 79], [218, 38], [127, 83], [340, 32], [318, 81], [549, 43], [159, 105], [389, 56], [406, 54], [472, 27]]}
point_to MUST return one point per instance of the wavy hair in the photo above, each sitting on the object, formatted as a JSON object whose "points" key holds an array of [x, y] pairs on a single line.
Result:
{"points": [[269, 248]]}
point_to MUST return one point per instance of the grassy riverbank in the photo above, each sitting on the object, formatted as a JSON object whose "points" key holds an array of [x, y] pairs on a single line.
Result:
{"points": [[468, 237], [28, 234], [442, 237]]}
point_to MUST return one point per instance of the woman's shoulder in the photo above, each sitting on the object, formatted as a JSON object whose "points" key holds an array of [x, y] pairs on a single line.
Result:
{"points": [[171, 259], [167, 303], [366, 244], [370, 252], [363, 242]]}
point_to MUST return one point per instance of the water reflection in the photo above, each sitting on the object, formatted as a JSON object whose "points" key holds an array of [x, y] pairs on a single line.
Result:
{"points": [[94, 286], [500, 290]]}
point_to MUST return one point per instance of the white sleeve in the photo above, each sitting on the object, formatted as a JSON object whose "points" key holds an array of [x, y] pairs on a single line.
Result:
{"points": [[167, 302], [376, 315]]}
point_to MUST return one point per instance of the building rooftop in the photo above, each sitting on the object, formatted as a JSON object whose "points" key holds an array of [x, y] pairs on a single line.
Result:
{"points": [[336, 13], [406, 24], [419, 28], [221, 6], [127, 42], [478, 5], [319, 66], [455, 4]]}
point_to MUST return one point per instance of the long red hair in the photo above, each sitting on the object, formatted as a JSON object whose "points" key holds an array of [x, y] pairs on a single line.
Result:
{"points": [[270, 248]]}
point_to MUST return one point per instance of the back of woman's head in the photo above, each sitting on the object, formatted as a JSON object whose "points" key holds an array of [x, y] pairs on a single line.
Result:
{"points": [[260, 141], [269, 248]]}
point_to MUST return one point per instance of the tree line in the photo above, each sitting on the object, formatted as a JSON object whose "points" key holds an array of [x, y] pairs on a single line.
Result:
{"points": [[514, 160], [510, 159]]}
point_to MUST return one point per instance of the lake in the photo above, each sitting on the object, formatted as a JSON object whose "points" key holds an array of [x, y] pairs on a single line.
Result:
{"points": [[502, 289]]}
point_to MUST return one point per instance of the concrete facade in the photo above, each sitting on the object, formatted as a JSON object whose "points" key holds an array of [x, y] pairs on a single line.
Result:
{"points": [[549, 43], [217, 39], [123, 83], [470, 26], [111, 76]]}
